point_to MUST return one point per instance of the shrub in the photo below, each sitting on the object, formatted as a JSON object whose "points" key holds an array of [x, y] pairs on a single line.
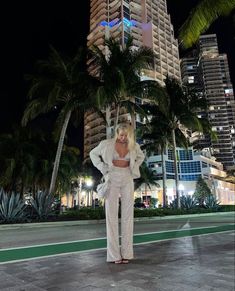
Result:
{"points": [[11, 207], [202, 191], [84, 213], [227, 208], [153, 202]]}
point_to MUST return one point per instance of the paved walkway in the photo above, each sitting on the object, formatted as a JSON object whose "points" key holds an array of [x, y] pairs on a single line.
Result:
{"points": [[176, 253]]}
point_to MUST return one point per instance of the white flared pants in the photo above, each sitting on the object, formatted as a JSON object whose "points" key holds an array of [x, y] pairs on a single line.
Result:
{"points": [[121, 185]]}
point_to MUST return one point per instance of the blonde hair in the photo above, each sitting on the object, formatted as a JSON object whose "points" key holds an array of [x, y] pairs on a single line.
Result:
{"points": [[129, 131]]}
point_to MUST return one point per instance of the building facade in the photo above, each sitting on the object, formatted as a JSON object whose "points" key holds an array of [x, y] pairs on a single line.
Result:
{"points": [[149, 24], [207, 71], [191, 165]]}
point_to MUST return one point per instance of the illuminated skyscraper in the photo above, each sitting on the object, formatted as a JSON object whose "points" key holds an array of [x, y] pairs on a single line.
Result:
{"points": [[208, 72], [149, 24]]}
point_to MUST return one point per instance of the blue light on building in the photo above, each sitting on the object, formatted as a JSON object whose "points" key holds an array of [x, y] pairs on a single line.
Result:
{"points": [[116, 21]]}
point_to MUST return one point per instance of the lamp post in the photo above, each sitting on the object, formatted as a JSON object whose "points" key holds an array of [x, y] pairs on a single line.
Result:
{"points": [[89, 184]]}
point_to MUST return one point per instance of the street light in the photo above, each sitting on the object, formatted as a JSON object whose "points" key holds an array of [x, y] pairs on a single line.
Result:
{"points": [[89, 183]]}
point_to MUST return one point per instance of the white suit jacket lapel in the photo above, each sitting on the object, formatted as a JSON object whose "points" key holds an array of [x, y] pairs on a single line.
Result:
{"points": [[108, 155]]}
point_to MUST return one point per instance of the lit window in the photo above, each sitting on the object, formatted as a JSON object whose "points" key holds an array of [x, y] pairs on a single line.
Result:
{"points": [[190, 67], [191, 79]]}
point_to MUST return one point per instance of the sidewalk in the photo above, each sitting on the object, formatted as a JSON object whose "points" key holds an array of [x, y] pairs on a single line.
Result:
{"points": [[201, 262]]}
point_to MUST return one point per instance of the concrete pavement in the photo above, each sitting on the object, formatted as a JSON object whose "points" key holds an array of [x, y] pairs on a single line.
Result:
{"points": [[198, 261]]}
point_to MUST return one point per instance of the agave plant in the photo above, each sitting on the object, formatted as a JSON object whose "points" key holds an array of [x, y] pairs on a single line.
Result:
{"points": [[43, 203], [11, 207], [188, 202], [174, 203], [211, 202]]}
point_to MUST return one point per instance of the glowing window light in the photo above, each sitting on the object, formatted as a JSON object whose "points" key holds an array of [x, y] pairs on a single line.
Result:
{"points": [[104, 23], [114, 22]]}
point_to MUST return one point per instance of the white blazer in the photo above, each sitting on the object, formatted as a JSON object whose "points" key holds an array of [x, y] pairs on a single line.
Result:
{"points": [[102, 157]]}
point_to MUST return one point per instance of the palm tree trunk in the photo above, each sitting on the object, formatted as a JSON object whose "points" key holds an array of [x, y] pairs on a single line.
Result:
{"points": [[163, 177], [133, 120], [108, 120], [176, 168], [117, 117], [58, 153]]}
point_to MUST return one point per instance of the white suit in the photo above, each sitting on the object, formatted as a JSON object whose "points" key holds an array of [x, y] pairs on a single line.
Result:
{"points": [[121, 184]]}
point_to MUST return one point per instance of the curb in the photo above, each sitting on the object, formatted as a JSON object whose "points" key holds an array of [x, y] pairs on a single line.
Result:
{"points": [[102, 221]]}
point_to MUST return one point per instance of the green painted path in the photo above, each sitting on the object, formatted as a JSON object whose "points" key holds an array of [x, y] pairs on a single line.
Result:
{"points": [[32, 252]]}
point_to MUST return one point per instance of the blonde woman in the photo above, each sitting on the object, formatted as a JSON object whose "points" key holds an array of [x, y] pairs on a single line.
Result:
{"points": [[118, 159]]}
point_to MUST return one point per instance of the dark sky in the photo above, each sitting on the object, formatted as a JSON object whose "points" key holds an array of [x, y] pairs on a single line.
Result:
{"points": [[28, 27]]}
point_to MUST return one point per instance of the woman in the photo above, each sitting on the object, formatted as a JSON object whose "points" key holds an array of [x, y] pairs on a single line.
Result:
{"points": [[118, 159]]}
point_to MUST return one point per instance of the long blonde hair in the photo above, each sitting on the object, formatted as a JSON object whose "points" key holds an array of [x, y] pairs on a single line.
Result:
{"points": [[127, 129]]}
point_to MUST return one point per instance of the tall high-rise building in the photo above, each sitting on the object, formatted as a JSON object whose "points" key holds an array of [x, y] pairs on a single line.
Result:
{"points": [[149, 24], [207, 71]]}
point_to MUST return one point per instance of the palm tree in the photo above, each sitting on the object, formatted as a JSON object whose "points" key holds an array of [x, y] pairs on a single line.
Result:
{"points": [[119, 73], [62, 83], [201, 17], [146, 177], [26, 159], [18, 157], [181, 110], [70, 167], [157, 136]]}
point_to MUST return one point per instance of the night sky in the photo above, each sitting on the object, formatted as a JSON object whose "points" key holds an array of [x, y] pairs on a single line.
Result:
{"points": [[29, 27]]}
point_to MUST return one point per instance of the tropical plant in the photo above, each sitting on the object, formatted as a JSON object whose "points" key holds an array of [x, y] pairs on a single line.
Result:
{"points": [[157, 136], [43, 204], [11, 207], [202, 191], [201, 18], [119, 74], [180, 110], [137, 201], [70, 166], [62, 83], [188, 202], [174, 203], [19, 158], [152, 203], [146, 177], [26, 159], [211, 202]]}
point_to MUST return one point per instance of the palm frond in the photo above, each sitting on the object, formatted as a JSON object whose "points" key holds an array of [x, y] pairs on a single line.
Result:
{"points": [[34, 108], [201, 17]]}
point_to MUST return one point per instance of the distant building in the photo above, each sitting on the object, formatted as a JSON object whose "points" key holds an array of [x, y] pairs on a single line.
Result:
{"points": [[207, 71], [191, 166]]}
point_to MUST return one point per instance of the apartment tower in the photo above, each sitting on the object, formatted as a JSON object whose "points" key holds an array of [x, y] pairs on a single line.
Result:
{"points": [[149, 24], [207, 71]]}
